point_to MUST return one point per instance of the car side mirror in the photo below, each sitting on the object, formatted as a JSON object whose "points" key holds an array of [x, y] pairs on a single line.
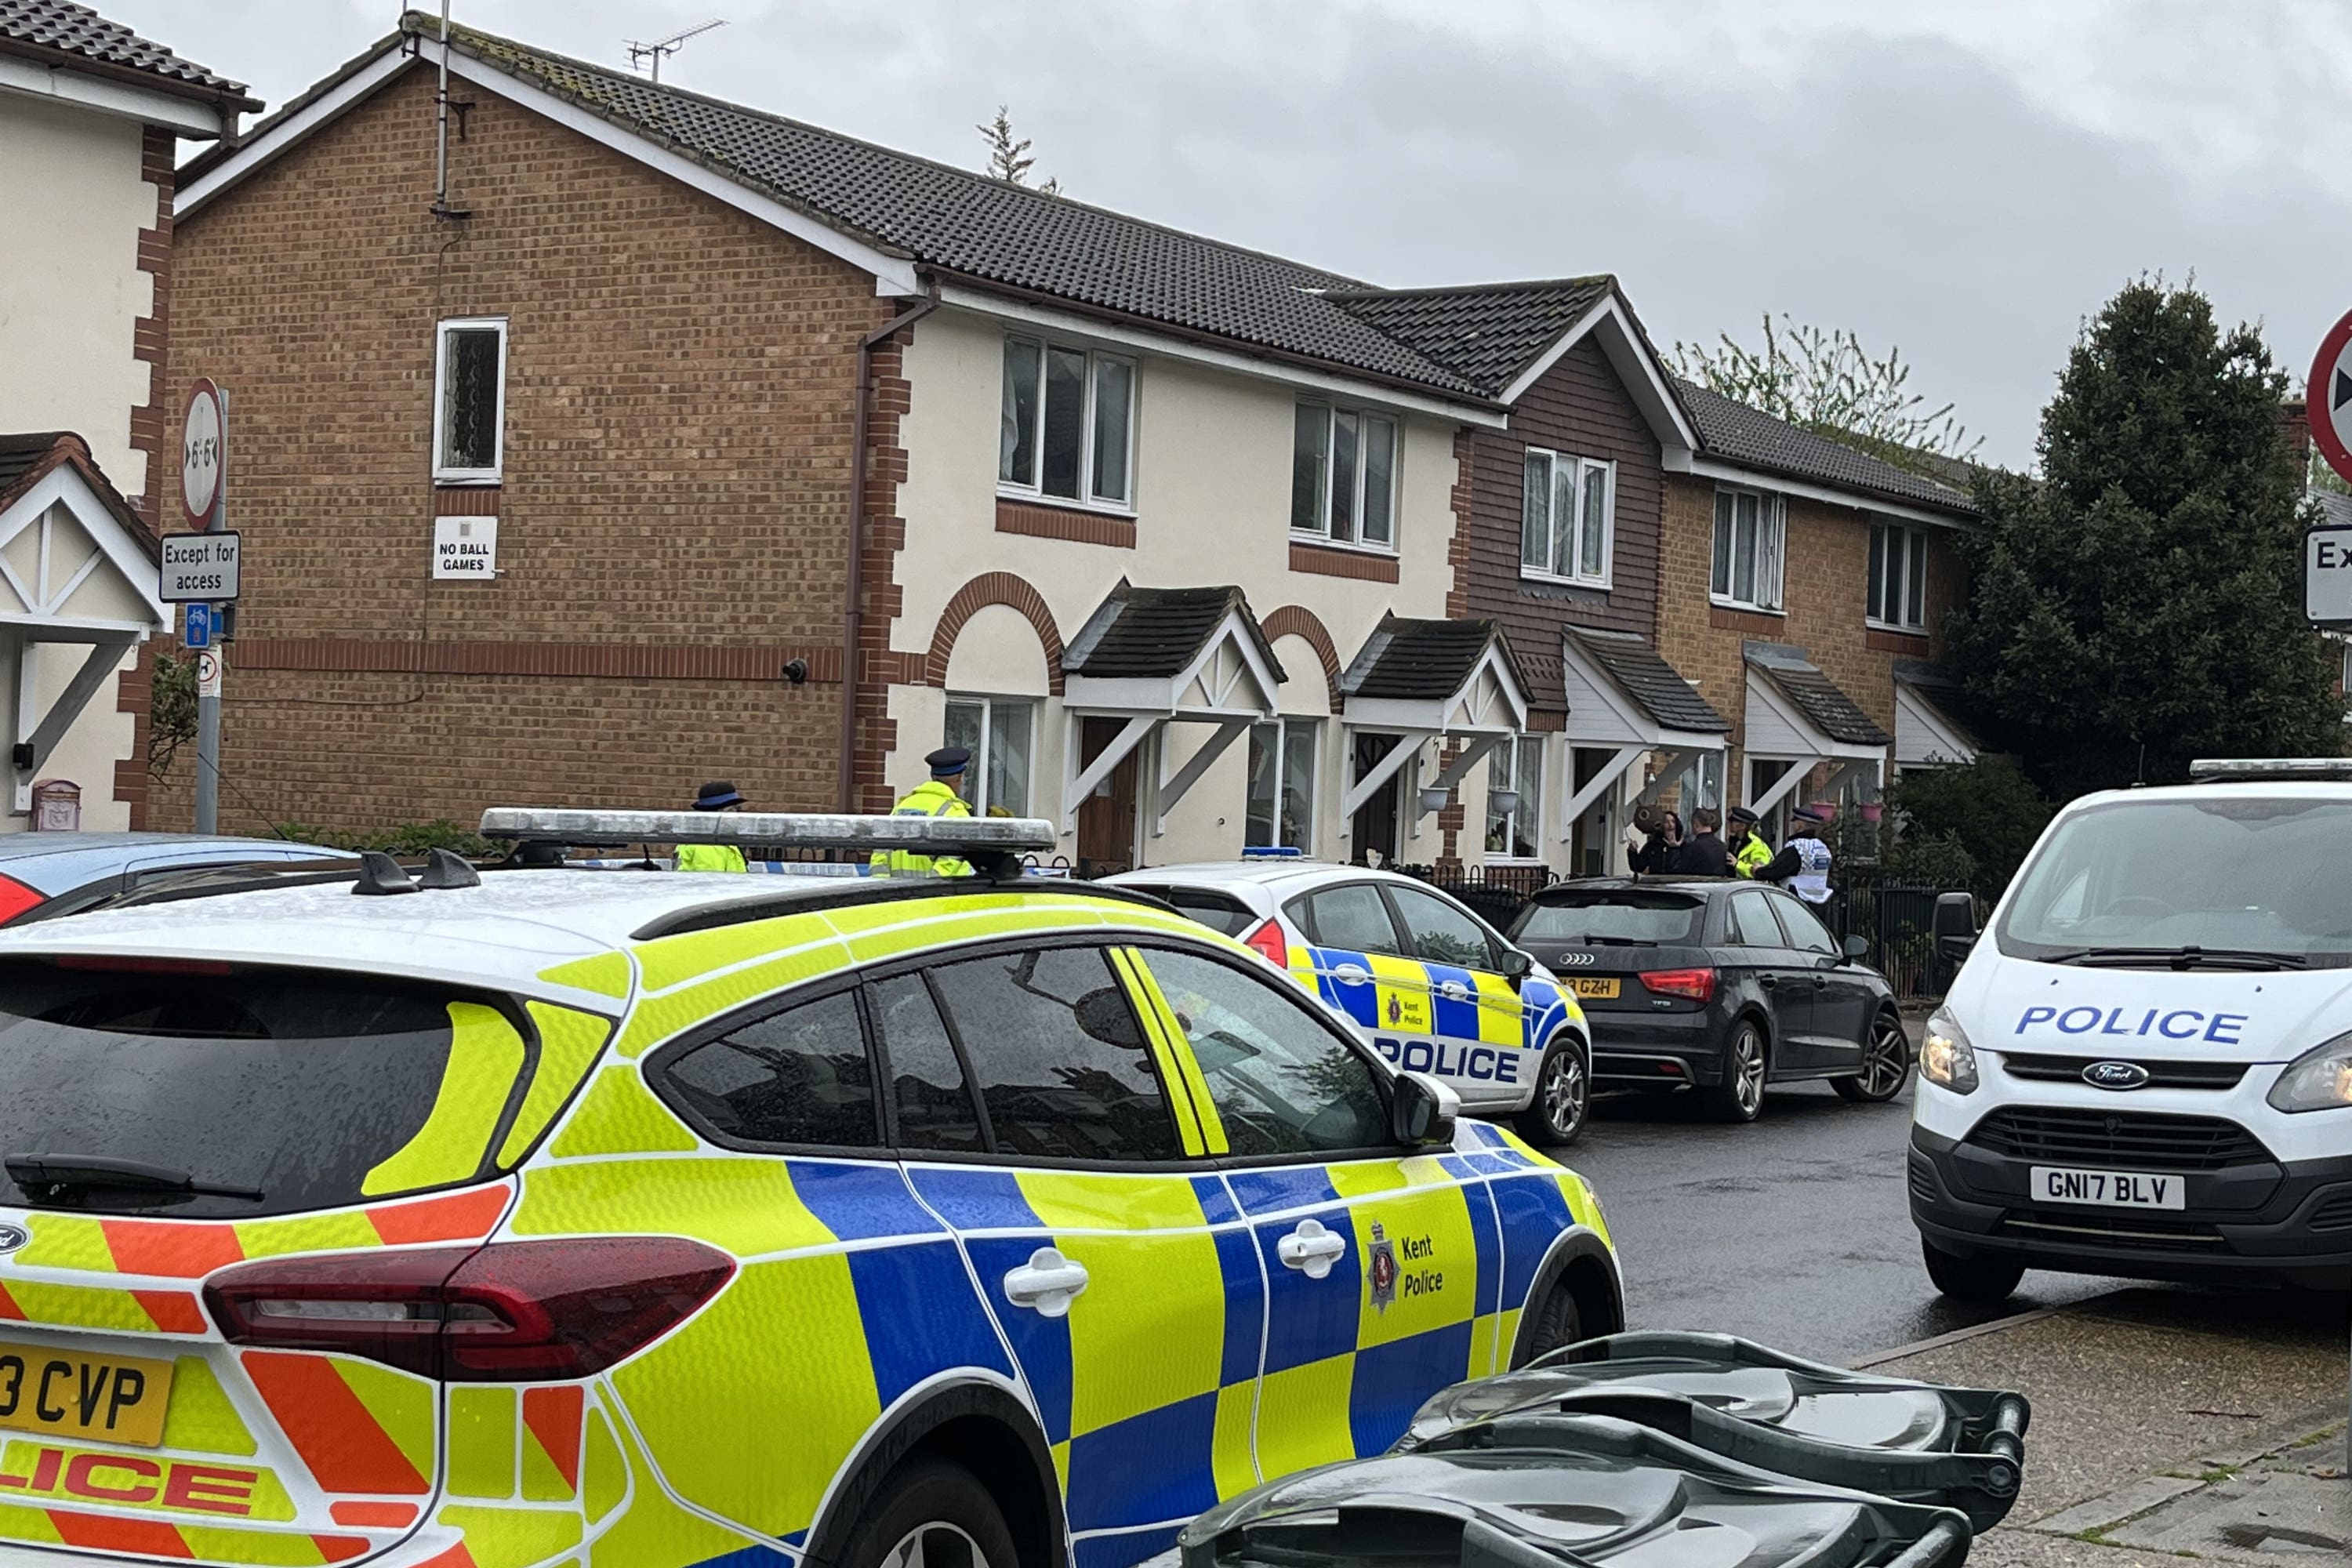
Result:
{"points": [[1105, 1016], [1955, 925], [1856, 946], [1422, 1111], [1517, 966]]}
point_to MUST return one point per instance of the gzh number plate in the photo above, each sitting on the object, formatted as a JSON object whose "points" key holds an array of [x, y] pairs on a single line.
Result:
{"points": [[70, 1394], [1594, 989]]}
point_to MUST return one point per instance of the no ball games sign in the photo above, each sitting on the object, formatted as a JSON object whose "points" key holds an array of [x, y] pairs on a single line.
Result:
{"points": [[2327, 550]]}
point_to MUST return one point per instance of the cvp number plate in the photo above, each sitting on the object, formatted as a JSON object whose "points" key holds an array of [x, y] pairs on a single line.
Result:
{"points": [[2109, 1189], [1593, 990], [72, 1393]]}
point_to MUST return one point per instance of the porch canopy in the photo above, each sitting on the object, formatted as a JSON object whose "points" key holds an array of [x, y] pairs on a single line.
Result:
{"points": [[1155, 657], [78, 571], [1431, 680], [1624, 697], [1798, 715], [1928, 731]]}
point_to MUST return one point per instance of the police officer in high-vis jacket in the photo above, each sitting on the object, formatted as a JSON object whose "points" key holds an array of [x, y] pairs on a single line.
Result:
{"points": [[1749, 852], [718, 795], [940, 796]]}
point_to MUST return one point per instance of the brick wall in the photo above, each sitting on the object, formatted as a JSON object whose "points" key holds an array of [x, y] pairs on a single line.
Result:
{"points": [[679, 418]]}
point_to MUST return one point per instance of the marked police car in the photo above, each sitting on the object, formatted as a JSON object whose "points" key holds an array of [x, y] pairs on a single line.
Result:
{"points": [[1427, 984], [2144, 1066], [564, 1216]]}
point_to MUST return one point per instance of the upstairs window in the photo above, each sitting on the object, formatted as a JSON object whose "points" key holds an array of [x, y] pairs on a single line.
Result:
{"points": [[1343, 475], [1898, 576], [1069, 424], [1567, 518], [469, 377], [1750, 530]]}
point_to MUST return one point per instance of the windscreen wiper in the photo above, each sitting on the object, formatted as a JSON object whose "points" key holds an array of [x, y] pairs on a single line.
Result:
{"points": [[47, 1176], [2187, 956], [1617, 942]]}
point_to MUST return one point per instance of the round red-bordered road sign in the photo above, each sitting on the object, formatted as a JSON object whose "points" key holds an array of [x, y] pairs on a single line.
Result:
{"points": [[2328, 402], [204, 453]]}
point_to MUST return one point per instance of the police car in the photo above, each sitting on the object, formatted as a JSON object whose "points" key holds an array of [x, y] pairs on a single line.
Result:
{"points": [[564, 1216], [1424, 981], [2144, 1066]]}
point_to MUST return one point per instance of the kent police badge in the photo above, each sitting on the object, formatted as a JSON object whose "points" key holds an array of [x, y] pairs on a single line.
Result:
{"points": [[1384, 1268]]}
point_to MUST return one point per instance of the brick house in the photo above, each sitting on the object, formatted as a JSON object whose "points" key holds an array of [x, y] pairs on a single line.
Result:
{"points": [[91, 116]]}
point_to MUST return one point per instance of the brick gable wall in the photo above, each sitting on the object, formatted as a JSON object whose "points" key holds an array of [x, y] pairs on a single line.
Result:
{"points": [[679, 418]]}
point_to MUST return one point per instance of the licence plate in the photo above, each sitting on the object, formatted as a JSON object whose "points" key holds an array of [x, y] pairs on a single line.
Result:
{"points": [[71, 1394], [1594, 989], [2108, 1189]]}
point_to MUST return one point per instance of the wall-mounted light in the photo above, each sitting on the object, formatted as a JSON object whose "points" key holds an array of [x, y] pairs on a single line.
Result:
{"points": [[796, 671]]}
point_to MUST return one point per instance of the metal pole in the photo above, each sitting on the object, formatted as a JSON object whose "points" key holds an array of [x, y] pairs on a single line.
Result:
{"points": [[208, 704]]}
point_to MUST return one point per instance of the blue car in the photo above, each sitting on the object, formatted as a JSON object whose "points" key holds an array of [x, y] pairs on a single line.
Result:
{"points": [[46, 874]]}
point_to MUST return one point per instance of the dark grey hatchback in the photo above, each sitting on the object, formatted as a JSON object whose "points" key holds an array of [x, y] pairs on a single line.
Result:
{"points": [[1716, 986]]}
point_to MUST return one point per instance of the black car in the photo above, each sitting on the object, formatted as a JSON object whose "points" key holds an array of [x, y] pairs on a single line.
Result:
{"points": [[1718, 986]]}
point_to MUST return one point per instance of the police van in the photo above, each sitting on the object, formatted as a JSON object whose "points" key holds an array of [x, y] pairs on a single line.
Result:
{"points": [[2144, 1068]]}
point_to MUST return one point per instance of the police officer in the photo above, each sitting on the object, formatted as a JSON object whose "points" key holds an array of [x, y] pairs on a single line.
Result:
{"points": [[940, 796], [718, 795], [1804, 861], [1749, 853]]}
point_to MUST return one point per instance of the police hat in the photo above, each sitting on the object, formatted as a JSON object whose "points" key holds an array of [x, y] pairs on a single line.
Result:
{"points": [[1812, 814], [1742, 815], [948, 761], [715, 797]]}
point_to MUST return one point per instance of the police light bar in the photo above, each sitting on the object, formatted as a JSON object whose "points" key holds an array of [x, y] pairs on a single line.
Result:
{"points": [[966, 837], [2245, 770]]}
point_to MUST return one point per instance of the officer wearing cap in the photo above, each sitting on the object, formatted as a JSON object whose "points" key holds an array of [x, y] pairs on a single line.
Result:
{"points": [[718, 795], [941, 795], [1804, 861], [1749, 853]]}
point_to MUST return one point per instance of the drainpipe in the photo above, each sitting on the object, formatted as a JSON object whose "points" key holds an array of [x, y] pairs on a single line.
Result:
{"points": [[853, 614]]}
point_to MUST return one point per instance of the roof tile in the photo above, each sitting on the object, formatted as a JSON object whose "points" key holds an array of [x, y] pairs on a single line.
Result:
{"points": [[1645, 676], [73, 29], [1830, 710], [1740, 434]]}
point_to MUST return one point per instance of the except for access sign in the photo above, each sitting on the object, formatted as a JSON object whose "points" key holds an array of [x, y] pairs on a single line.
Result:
{"points": [[199, 566], [2327, 577]]}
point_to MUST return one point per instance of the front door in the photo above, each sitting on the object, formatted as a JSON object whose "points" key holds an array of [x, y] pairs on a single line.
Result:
{"points": [[1106, 817], [1373, 836]]}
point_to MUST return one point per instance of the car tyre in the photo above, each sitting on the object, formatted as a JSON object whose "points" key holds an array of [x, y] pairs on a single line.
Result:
{"points": [[1557, 1322], [1555, 1118], [929, 1513], [1746, 1061], [1885, 1065], [1985, 1276]]}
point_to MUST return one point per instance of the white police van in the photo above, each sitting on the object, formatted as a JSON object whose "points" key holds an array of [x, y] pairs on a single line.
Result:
{"points": [[2144, 1068]]}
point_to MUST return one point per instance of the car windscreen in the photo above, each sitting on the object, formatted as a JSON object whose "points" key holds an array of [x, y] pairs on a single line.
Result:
{"points": [[1627, 915], [2234, 874], [317, 1090], [1218, 911]]}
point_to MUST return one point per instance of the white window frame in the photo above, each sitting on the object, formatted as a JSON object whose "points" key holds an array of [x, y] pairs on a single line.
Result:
{"points": [[1321, 533], [1503, 763], [1034, 488], [441, 473], [1771, 521], [1585, 575], [1908, 618], [977, 774], [1280, 724]]}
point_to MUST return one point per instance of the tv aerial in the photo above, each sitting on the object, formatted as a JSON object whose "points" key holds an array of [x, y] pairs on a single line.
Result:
{"points": [[640, 53]]}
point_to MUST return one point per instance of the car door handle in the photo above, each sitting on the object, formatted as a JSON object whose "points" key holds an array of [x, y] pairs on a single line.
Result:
{"points": [[1768, 981], [1821, 983], [1048, 1282], [1454, 991], [1311, 1249], [1349, 973]]}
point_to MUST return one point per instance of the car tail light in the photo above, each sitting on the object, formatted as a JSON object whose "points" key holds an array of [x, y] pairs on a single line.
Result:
{"points": [[1698, 985], [1269, 943], [16, 899], [513, 1311]]}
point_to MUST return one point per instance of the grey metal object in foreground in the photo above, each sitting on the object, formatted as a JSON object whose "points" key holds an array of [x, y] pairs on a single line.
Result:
{"points": [[768, 829]]}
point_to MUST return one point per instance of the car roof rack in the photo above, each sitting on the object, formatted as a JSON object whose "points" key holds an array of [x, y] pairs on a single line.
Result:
{"points": [[992, 846], [2271, 770]]}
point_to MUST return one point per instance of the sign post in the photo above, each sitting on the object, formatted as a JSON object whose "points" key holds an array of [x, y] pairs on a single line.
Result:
{"points": [[204, 497]]}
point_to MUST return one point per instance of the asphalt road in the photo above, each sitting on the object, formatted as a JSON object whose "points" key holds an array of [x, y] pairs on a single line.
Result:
{"points": [[1792, 1230]]}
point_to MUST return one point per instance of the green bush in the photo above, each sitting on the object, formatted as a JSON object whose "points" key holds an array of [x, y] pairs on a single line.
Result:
{"points": [[1988, 812], [1937, 860], [412, 838]]}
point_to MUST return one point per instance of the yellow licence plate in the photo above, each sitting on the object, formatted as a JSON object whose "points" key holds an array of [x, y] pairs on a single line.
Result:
{"points": [[71, 1394], [1594, 989]]}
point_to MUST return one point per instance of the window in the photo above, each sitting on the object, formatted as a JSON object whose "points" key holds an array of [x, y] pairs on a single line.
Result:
{"points": [[1353, 918], [927, 1089], [1282, 784], [1567, 518], [1069, 424], [1898, 576], [1804, 928], [469, 378], [995, 731], [1442, 934], [1343, 475], [1283, 1082], [1747, 919], [1748, 527], [799, 1077], [1062, 1068], [1515, 797]]}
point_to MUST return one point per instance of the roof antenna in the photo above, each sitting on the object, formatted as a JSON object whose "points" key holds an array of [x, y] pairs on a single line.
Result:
{"points": [[639, 53]]}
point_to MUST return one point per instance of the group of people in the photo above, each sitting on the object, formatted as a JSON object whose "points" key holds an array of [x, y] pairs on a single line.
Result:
{"points": [[1657, 844], [940, 795]]}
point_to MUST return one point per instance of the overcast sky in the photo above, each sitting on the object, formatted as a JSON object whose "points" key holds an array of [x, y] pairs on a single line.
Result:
{"points": [[1967, 181]]}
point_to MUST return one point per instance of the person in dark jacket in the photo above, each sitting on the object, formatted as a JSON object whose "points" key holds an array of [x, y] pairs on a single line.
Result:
{"points": [[1656, 841], [1703, 854]]}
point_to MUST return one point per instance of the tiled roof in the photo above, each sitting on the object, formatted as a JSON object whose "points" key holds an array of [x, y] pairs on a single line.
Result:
{"points": [[1649, 680], [1738, 433], [1155, 633], [1421, 660], [985, 229], [2335, 507], [71, 29], [1828, 708], [1489, 332], [26, 459]]}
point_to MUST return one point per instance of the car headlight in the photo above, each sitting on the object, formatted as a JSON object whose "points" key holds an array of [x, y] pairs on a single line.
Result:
{"points": [[2319, 1080], [1945, 1058]]}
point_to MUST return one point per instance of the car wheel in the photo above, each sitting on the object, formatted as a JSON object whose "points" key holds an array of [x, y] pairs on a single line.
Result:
{"points": [[1986, 1277], [1563, 1096], [1556, 1323], [1885, 1065], [930, 1514], [1740, 1096]]}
